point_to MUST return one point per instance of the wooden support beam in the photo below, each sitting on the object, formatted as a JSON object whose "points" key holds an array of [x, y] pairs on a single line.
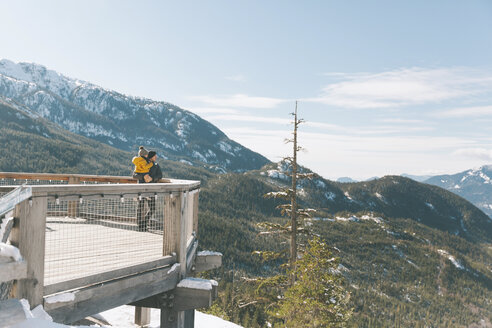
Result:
{"points": [[109, 275], [97, 298], [28, 235], [193, 293], [207, 260], [12, 270], [11, 312]]}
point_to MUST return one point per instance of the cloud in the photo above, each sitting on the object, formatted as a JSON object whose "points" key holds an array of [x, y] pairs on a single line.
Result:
{"points": [[402, 121], [478, 111], [240, 100], [249, 118], [212, 110], [236, 78], [478, 153], [403, 87]]}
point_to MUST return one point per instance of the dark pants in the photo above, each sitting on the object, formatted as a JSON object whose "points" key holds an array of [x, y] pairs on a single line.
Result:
{"points": [[143, 221]]}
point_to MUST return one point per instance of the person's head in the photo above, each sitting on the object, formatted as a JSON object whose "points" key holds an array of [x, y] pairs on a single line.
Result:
{"points": [[142, 151], [152, 155]]}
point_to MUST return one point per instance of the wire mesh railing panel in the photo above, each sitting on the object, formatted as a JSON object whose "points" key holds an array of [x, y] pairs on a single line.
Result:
{"points": [[87, 237]]}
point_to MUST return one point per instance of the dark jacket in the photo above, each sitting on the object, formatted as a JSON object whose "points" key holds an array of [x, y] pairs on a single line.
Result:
{"points": [[155, 173]]}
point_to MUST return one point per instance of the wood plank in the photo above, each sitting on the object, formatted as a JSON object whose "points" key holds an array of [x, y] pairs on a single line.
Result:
{"points": [[13, 198], [29, 237], [109, 275], [193, 293], [205, 261], [11, 312], [191, 255], [12, 270], [68, 177], [106, 296], [114, 189], [8, 222]]}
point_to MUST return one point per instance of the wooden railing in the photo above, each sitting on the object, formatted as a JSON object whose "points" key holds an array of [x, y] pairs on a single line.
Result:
{"points": [[179, 236]]}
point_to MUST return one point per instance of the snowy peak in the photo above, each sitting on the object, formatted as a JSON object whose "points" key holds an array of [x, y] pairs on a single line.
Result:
{"points": [[121, 121], [474, 185]]}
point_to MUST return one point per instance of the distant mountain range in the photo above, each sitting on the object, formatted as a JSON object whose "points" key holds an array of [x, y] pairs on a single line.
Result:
{"points": [[474, 185], [122, 121]]}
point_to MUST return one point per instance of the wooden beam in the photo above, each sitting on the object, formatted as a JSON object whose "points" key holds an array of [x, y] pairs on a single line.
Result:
{"points": [[206, 260], [97, 298], [113, 189], [109, 275], [8, 222], [14, 197], [68, 177], [193, 293], [28, 235], [12, 270], [11, 312], [191, 254]]}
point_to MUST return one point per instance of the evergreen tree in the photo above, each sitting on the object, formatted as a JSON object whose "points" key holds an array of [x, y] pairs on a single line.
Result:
{"points": [[317, 298]]}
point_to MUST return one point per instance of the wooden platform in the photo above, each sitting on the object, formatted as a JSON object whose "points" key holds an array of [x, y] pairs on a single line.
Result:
{"points": [[77, 248]]}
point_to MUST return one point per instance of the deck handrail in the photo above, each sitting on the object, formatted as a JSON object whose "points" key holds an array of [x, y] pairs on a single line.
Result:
{"points": [[71, 177]]}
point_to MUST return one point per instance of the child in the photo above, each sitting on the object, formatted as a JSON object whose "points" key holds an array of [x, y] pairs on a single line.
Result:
{"points": [[142, 166]]}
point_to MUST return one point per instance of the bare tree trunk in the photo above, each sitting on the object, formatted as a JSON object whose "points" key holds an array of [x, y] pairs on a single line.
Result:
{"points": [[293, 215]]}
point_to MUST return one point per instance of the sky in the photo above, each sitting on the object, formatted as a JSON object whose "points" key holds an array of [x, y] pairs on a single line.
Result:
{"points": [[385, 87]]}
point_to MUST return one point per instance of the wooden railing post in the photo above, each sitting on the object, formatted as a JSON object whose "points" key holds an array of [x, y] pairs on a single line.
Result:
{"points": [[195, 212], [183, 237], [172, 224], [28, 235], [73, 206]]}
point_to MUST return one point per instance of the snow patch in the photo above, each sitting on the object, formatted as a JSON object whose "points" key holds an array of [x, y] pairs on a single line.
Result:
{"points": [[429, 205], [209, 253], [10, 251], [451, 258], [330, 195], [60, 298], [195, 283], [174, 268]]}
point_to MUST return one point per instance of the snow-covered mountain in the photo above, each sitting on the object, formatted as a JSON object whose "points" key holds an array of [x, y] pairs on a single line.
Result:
{"points": [[475, 185], [120, 120]]}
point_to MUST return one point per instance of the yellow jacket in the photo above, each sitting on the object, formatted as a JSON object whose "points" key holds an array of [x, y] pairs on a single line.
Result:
{"points": [[141, 165]]}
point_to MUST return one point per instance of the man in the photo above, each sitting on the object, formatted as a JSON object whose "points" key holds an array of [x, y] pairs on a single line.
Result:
{"points": [[155, 176]]}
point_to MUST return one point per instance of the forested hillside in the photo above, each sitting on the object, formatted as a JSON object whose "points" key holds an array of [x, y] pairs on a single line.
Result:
{"points": [[413, 255]]}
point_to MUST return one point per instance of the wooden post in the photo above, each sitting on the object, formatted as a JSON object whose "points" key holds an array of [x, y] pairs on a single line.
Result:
{"points": [[182, 234], [172, 224], [28, 235], [73, 206], [142, 316], [195, 212]]}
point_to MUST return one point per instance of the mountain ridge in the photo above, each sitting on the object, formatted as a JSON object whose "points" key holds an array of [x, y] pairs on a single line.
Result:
{"points": [[474, 185], [120, 120]]}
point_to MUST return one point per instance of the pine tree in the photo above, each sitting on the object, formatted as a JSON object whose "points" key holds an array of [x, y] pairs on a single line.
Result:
{"points": [[317, 298]]}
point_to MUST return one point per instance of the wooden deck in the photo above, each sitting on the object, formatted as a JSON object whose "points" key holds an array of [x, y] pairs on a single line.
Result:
{"points": [[76, 248]]}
